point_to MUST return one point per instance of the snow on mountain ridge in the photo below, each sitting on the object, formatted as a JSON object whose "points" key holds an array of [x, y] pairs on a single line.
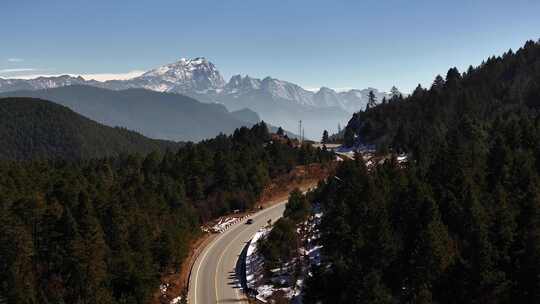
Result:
{"points": [[198, 76], [351, 101], [287, 90], [237, 83], [327, 97], [183, 76]]}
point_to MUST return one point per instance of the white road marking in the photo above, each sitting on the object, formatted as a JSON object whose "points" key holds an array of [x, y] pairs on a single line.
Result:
{"points": [[259, 214]]}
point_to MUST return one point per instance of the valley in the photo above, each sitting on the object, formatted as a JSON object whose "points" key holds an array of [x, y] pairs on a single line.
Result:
{"points": [[277, 102], [285, 167]]}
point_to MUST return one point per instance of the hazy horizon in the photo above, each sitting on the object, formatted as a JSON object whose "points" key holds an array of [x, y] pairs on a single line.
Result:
{"points": [[310, 43]]}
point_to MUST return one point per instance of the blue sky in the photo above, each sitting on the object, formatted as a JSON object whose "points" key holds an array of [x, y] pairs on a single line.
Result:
{"points": [[339, 44]]}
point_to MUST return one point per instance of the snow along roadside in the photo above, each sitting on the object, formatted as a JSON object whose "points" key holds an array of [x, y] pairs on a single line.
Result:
{"points": [[254, 262]]}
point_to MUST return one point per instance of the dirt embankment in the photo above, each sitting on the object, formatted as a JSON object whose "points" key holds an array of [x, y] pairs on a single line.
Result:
{"points": [[302, 177]]}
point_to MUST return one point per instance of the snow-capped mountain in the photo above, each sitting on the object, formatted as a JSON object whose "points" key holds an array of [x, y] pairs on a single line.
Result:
{"points": [[276, 101], [239, 84], [355, 100], [286, 90], [184, 76], [41, 83], [327, 97], [199, 76], [350, 101]]}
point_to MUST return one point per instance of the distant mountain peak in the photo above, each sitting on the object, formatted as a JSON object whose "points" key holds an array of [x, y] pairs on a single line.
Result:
{"points": [[181, 66], [198, 76], [183, 76], [198, 60], [326, 89], [238, 84]]}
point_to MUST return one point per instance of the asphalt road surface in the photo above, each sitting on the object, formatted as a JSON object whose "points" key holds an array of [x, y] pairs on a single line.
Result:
{"points": [[217, 273]]}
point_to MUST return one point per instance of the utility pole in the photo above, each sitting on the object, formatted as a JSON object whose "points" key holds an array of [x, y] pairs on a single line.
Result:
{"points": [[300, 131]]}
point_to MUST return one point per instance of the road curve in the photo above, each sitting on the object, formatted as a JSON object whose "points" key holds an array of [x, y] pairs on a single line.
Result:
{"points": [[215, 276]]}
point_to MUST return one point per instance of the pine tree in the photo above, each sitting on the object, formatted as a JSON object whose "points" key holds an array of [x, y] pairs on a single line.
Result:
{"points": [[17, 276], [224, 172], [89, 251], [372, 100], [452, 78], [418, 91], [324, 139], [298, 207], [438, 83], [196, 188], [434, 247], [395, 93]]}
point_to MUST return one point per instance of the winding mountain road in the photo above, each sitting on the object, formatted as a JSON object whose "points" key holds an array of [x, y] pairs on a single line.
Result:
{"points": [[216, 275]]}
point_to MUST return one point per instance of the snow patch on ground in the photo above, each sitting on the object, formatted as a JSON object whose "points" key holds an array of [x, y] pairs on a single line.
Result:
{"points": [[402, 158], [163, 289], [362, 148], [223, 224], [254, 261], [282, 279]]}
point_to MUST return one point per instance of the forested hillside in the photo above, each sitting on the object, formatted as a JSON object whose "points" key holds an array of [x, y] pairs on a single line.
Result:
{"points": [[39, 129], [153, 114], [460, 221], [500, 87], [102, 231]]}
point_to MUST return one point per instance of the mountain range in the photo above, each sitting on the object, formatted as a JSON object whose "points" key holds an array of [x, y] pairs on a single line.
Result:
{"points": [[153, 114], [276, 101]]}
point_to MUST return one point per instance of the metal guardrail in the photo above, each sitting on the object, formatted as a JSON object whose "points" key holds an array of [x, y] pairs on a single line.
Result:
{"points": [[201, 249]]}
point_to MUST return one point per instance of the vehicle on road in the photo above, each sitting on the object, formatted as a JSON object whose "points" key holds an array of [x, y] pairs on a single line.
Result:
{"points": [[211, 278]]}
